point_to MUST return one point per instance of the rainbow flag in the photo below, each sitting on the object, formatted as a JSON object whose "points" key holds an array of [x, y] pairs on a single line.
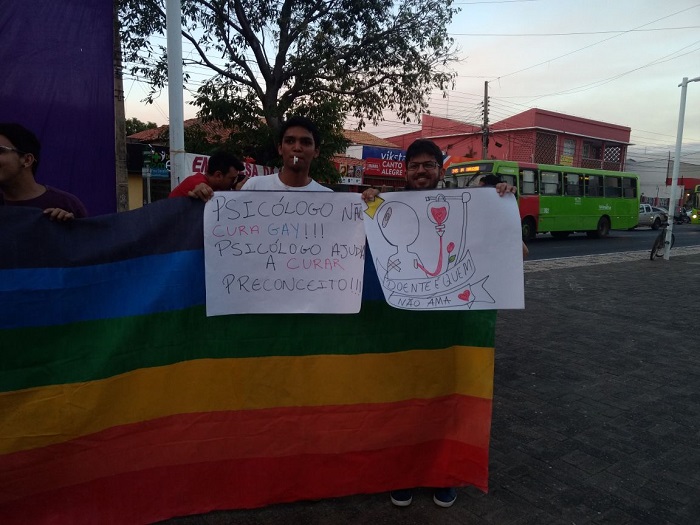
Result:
{"points": [[121, 402]]}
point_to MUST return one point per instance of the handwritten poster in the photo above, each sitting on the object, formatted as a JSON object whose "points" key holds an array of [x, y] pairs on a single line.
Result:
{"points": [[283, 252], [447, 249]]}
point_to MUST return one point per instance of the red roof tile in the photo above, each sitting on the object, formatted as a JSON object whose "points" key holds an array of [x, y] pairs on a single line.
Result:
{"points": [[216, 131], [362, 138]]}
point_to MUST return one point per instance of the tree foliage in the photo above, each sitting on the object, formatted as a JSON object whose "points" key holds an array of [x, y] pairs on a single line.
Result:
{"points": [[323, 58], [134, 125]]}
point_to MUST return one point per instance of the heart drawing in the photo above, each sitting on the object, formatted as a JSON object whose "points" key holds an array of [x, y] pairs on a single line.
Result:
{"points": [[464, 296], [439, 214]]}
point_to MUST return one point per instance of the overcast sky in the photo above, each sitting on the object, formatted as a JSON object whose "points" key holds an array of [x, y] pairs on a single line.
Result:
{"points": [[618, 61]]}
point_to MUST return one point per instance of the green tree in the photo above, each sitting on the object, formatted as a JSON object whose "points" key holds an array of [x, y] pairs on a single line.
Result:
{"points": [[323, 58], [134, 125]]}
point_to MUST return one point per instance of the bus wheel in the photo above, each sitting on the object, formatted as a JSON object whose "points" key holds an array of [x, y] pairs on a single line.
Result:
{"points": [[560, 235], [528, 229], [602, 230]]}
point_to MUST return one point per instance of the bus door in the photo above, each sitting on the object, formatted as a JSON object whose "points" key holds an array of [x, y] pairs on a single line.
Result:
{"points": [[552, 206], [528, 197], [596, 205], [576, 215], [613, 198]]}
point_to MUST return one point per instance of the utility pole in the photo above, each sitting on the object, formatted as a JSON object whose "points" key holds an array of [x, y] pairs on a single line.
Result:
{"points": [[485, 127], [122, 193], [173, 23], [676, 167]]}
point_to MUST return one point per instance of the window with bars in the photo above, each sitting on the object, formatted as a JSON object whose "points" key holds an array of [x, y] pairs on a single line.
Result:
{"points": [[569, 148], [592, 150], [545, 148], [612, 153]]}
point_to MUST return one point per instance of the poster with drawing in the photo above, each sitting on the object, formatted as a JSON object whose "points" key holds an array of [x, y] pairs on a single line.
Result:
{"points": [[447, 249], [283, 252]]}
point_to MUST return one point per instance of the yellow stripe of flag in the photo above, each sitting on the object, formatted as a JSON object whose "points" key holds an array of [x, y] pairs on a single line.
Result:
{"points": [[53, 414]]}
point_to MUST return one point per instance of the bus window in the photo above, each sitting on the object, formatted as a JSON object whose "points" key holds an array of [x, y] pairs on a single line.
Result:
{"points": [[594, 185], [550, 182], [574, 184], [629, 187], [613, 187], [510, 179], [528, 182]]}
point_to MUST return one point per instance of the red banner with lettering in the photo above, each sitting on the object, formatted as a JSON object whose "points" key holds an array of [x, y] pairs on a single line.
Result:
{"points": [[385, 168]]}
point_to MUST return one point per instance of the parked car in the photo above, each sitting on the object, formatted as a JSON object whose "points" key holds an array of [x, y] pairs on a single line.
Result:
{"points": [[662, 211], [650, 217]]}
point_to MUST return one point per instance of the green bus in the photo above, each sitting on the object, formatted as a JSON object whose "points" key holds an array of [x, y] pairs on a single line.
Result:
{"points": [[695, 205], [560, 199]]}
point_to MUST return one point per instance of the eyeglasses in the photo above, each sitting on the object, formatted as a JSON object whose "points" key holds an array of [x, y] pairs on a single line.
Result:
{"points": [[427, 166], [7, 149]]}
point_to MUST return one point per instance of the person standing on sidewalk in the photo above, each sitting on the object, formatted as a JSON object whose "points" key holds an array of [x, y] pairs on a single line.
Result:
{"points": [[423, 172], [299, 144]]}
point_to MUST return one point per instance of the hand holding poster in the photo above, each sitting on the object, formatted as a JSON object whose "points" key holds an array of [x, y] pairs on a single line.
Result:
{"points": [[283, 252], [447, 249]]}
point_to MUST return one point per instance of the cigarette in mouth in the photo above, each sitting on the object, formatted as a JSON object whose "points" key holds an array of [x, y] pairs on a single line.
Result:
{"points": [[296, 159]]}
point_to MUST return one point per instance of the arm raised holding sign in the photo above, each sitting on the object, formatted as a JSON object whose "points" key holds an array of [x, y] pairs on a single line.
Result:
{"points": [[424, 170], [224, 172]]}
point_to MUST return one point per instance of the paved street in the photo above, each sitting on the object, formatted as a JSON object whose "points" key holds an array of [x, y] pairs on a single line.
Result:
{"points": [[596, 415]]}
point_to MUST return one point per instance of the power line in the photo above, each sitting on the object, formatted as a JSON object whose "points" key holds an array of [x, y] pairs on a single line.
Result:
{"points": [[575, 33], [599, 83], [495, 2], [458, 105], [594, 44]]}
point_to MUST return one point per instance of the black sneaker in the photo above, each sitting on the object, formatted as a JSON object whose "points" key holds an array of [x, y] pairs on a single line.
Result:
{"points": [[402, 498], [445, 497]]}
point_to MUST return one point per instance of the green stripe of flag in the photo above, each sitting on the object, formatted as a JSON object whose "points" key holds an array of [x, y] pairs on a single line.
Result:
{"points": [[98, 349]]}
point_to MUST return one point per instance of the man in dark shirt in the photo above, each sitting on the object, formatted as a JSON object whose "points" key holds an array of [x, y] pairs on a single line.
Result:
{"points": [[19, 158]]}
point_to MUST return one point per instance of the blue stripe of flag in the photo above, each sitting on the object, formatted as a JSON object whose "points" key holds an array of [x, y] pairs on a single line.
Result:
{"points": [[139, 286]]}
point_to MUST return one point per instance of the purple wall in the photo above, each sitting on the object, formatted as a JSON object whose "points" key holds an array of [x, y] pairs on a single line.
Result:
{"points": [[57, 76]]}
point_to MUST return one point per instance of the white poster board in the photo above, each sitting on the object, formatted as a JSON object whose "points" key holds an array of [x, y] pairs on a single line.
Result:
{"points": [[447, 249], [283, 252]]}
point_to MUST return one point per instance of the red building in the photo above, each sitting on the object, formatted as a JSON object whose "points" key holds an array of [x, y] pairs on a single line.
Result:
{"points": [[536, 135]]}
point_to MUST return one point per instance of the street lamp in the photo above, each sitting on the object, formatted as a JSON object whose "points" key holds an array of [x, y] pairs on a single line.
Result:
{"points": [[676, 166]]}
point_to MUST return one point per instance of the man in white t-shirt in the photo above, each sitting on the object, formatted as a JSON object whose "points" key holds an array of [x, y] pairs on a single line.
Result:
{"points": [[299, 144]]}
